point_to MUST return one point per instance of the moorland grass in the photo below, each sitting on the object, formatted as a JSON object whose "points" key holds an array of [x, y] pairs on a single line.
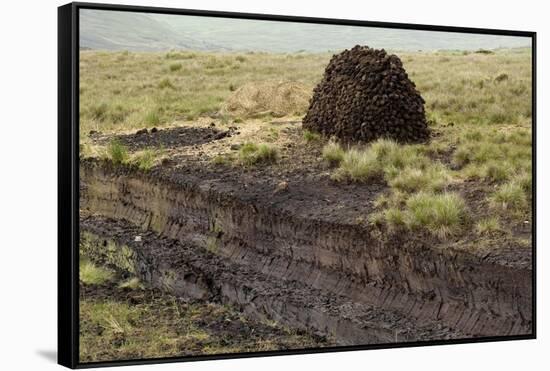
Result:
{"points": [[488, 226], [333, 153], [117, 152], [94, 275], [252, 154], [441, 214], [147, 81], [175, 67], [454, 91], [358, 166], [510, 196], [145, 159]]}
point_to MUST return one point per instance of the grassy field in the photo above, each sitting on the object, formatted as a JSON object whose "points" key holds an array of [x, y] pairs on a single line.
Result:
{"points": [[122, 90]]}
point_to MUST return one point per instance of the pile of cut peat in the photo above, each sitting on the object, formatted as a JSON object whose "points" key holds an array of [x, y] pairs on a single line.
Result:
{"points": [[366, 94]]}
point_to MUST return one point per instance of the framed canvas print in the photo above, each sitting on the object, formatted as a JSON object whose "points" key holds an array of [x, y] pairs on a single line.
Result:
{"points": [[236, 185]]}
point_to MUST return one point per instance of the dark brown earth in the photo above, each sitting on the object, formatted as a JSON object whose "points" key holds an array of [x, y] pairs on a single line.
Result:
{"points": [[190, 272], [366, 94], [304, 254], [165, 138]]}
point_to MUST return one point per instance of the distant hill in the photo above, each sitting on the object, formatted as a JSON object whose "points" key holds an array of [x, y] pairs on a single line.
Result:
{"points": [[110, 30], [149, 32]]}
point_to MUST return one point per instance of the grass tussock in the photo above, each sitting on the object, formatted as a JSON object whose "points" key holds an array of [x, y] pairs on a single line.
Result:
{"points": [[510, 196], [432, 178], [253, 154], [152, 118], [394, 217], [488, 226], [146, 159], [91, 274], [404, 167], [441, 214], [358, 166], [117, 152], [417, 198], [333, 153], [224, 159], [104, 112], [98, 111], [166, 83]]}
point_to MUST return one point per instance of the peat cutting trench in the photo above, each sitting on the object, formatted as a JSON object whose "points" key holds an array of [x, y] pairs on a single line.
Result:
{"points": [[204, 235]]}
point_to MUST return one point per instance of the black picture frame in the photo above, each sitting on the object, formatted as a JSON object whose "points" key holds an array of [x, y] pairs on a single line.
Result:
{"points": [[68, 178]]}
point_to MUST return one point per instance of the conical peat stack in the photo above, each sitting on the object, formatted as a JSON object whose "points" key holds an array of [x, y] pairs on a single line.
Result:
{"points": [[366, 94]]}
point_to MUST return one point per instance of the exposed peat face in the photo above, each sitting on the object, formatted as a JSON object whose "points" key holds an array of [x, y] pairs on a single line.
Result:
{"points": [[238, 239]]}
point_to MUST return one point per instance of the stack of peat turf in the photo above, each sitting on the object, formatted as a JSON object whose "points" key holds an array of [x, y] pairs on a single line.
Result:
{"points": [[366, 94]]}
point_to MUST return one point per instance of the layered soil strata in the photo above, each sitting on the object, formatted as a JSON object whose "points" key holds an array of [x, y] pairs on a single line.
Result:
{"points": [[379, 286], [186, 270]]}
